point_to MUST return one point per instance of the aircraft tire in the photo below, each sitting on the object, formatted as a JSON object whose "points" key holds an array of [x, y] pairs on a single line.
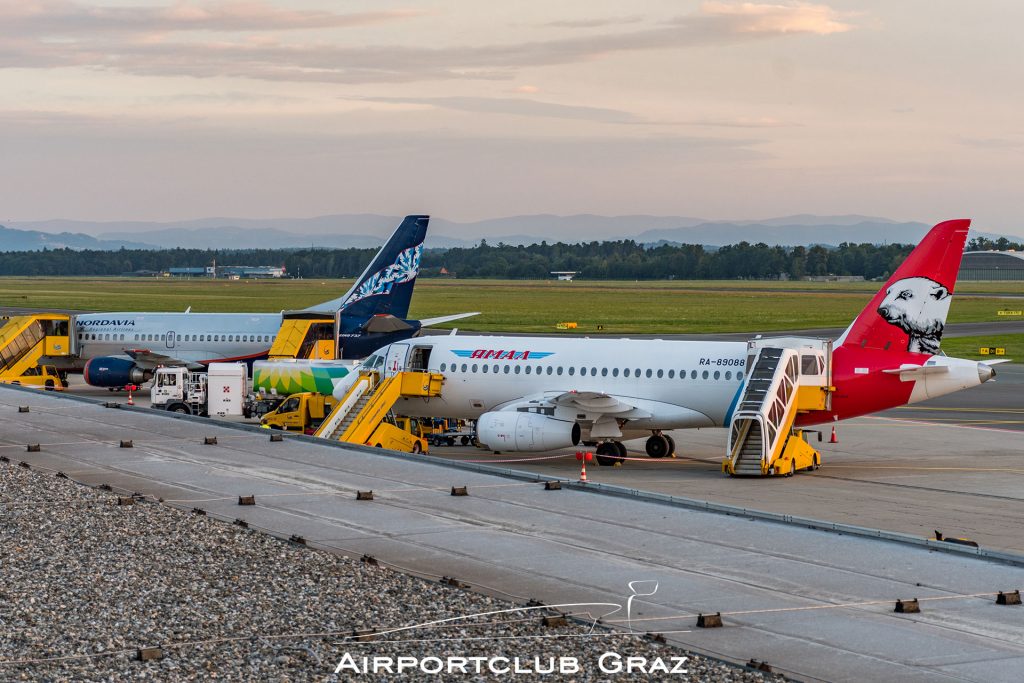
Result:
{"points": [[621, 449], [607, 454], [657, 446], [671, 446]]}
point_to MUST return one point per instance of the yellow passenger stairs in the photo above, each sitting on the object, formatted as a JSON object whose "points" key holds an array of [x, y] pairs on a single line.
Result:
{"points": [[25, 339], [787, 376], [361, 416], [305, 334]]}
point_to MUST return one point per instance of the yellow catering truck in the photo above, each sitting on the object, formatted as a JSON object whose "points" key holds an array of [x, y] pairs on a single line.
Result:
{"points": [[300, 413]]}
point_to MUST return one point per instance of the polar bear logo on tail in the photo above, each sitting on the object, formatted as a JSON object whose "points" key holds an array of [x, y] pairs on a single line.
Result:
{"points": [[918, 306]]}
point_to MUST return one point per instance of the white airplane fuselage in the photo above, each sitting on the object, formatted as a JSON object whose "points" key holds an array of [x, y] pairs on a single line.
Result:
{"points": [[679, 384], [193, 337]]}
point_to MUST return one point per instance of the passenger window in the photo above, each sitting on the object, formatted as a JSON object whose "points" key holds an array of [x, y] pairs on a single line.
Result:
{"points": [[572, 370], [495, 368], [704, 375], [483, 367], [442, 367], [625, 373], [527, 370], [728, 374], [615, 372], [506, 369], [463, 367], [693, 374], [474, 367], [559, 369], [649, 373], [717, 374], [517, 369], [551, 369], [604, 372], [671, 374]]}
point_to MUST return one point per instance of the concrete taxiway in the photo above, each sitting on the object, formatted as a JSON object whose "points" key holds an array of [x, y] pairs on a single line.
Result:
{"points": [[815, 604]]}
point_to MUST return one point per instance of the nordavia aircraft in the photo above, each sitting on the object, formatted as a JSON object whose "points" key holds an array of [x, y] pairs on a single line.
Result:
{"points": [[125, 348], [541, 393]]}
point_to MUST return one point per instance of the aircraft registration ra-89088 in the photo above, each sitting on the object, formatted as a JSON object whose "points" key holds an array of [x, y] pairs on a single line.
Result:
{"points": [[541, 393], [125, 348]]}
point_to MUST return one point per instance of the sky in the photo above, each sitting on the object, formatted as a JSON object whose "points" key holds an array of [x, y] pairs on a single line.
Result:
{"points": [[156, 110]]}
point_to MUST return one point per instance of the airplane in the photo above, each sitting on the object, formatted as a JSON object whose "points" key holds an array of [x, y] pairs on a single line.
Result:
{"points": [[125, 348], [542, 393]]}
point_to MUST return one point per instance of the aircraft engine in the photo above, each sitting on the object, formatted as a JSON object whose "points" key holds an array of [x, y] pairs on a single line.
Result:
{"points": [[516, 431], [109, 371]]}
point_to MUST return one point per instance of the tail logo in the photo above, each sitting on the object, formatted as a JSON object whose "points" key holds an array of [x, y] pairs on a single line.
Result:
{"points": [[918, 306], [404, 269]]}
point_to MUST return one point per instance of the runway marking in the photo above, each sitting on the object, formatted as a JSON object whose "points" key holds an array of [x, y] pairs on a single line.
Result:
{"points": [[962, 410], [927, 469], [922, 423], [773, 610]]}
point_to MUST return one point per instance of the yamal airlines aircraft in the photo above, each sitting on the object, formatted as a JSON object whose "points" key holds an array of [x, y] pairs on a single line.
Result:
{"points": [[125, 348], [541, 393]]}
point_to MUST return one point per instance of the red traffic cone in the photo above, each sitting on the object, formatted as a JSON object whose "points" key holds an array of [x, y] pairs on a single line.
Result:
{"points": [[833, 438]]}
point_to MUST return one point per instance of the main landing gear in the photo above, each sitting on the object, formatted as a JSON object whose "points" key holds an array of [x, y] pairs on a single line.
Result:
{"points": [[659, 445], [610, 453]]}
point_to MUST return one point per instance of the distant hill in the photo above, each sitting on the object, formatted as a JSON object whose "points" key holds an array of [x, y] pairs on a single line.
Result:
{"points": [[370, 230], [35, 240], [791, 234]]}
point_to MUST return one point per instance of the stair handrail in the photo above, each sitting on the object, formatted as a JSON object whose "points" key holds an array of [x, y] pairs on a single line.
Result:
{"points": [[366, 381]]}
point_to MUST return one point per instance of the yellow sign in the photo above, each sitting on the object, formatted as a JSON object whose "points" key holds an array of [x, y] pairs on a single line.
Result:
{"points": [[566, 326], [1000, 351], [992, 351], [983, 350], [1009, 312]]}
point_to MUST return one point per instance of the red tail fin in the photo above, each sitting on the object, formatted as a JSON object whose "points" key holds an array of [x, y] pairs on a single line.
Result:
{"points": [[909, 313]]}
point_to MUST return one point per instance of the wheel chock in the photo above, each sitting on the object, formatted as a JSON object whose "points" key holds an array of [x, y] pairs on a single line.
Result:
{"points": [[709, 620], [907, 607], [1010, 598]]}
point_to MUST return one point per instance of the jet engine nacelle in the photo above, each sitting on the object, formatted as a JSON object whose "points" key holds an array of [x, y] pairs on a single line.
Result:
{"points": [[108, 371], [516, 431]]}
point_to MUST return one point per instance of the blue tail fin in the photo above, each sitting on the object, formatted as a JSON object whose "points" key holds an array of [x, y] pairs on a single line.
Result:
{"points": [[385, 287]]}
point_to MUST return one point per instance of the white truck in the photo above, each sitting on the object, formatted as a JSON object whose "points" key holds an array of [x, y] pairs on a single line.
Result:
{"points": [[219, 391]]}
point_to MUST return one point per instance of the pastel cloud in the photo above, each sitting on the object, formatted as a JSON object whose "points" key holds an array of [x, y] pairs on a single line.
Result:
{"points": [[52, 33]]}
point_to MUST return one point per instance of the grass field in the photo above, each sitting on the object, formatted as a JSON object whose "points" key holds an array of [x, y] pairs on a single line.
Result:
{"points": [[969, 347], [520, 306]]}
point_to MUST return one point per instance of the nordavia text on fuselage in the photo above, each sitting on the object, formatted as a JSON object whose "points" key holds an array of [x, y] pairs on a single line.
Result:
{"points": [[125, 348], [538, 393]]}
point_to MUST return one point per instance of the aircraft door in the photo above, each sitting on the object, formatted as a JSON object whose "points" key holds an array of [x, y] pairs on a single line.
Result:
{"points": [[395, 361], [170, 339]]}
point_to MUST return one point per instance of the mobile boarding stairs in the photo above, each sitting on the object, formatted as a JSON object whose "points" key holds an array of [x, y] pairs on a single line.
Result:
{"points": [[787, 376], [28, 340], [361, 416]]}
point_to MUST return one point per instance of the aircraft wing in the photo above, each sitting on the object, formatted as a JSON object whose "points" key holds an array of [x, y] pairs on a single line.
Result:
{"points": [[148, 360], [446, 318], [599, 402]]}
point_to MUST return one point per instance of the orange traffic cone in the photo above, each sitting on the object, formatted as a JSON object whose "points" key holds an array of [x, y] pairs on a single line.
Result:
{"points": [[583, 458], [833, 438], [130, 401]]}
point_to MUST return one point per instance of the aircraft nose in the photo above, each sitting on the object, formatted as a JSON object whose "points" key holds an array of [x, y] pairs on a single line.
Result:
{"points": [[985, 372]]}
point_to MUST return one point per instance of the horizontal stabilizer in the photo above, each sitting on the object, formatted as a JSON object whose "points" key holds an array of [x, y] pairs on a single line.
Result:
{"points": [[446, 319], [383, 322]]}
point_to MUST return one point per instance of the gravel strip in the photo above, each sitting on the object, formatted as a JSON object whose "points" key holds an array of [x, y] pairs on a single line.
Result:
{"points": [[82, 575]]}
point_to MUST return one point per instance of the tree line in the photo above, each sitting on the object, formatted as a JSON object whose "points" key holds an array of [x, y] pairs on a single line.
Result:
{"points": [[616, 260]]}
